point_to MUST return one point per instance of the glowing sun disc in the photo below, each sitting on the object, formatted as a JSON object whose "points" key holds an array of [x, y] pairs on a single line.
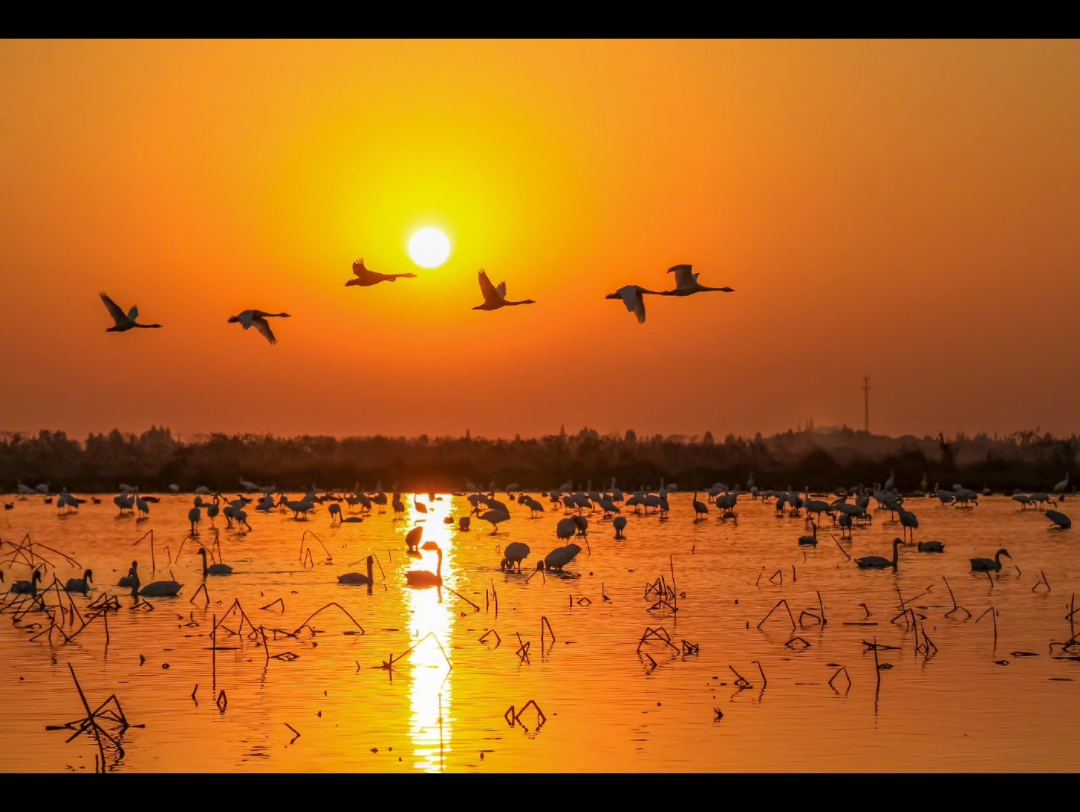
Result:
{"points": [[429, 248]]}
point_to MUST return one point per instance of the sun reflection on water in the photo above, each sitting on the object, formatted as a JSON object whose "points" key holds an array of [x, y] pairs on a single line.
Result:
{"points": [[431, 611]]}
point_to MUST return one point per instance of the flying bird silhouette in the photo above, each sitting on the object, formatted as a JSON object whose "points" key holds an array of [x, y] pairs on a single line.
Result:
{"points": [[124, 321], [257, 319], [686, 282], [633, 297], [366, 278], [495, 297]]}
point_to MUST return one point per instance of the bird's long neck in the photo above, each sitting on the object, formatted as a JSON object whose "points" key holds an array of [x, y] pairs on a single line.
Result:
{"points": [[438, 567], [895, 553], [204, 567], [370, 571]]}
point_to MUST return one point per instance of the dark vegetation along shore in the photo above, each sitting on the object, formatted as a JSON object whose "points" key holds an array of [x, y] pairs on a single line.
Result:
{"points": [[822, 459]]}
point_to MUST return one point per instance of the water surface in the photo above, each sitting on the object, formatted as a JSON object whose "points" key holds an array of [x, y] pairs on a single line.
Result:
{"points": [[969, 706]]}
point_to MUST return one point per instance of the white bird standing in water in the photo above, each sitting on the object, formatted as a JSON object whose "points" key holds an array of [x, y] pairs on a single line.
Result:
{"points": [[633, 297], [258, 320], [686, 282]]}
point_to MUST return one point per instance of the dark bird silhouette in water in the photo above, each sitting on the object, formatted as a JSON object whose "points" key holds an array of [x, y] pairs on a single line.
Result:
{"points": [[258, 320], [366, 278], [495, 297], [124, 321]]}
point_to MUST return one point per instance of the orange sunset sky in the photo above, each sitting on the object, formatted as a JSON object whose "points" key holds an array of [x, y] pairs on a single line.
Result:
{"points": [[906, 210]]}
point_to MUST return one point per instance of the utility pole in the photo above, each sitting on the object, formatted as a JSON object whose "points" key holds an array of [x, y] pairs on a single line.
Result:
{"points": [[866, 394]]}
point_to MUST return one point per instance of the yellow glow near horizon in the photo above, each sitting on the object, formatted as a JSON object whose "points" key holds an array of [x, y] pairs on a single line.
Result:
{"points": [[429, 248]]}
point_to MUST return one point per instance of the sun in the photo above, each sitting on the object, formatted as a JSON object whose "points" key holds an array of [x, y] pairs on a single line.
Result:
{"points": [[429, 248]]}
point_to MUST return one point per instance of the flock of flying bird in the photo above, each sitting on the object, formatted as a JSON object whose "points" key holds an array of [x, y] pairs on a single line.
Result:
{"points": [[686, 284], [572, 501]]}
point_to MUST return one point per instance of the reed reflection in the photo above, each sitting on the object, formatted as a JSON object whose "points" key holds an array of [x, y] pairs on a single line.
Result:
{"points": [[430, 612]]}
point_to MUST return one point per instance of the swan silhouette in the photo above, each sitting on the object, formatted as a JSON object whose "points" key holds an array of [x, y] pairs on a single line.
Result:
{"points": [[358, 579], [809, 541], [633, 297], [495, 297], [258, 320], [877, 562], [989, 564], [157, 589], [686, 283], [366, 278], [80, 584], [123, 321], [424, 578], [132, 575], [26, 587], [213, 569]]}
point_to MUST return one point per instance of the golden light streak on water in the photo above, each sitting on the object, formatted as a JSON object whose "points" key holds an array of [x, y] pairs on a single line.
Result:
{"points": [[431, 612]]}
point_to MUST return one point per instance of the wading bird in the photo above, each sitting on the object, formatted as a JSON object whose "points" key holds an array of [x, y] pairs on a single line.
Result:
{"points": [[619, 524], [495, 297], [366, 278], [559, 557], [258, 320], [1058, 519], [515, 553], [931, 547], [123, 321], [413, 537]]}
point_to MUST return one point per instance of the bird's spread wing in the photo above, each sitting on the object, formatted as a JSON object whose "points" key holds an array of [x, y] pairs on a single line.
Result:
{"points": [[359, 269], [263, 327], [501, 290], [488, 289], [629, 296], [634, 301], [683, 275], [133, 313], [114, 309]]}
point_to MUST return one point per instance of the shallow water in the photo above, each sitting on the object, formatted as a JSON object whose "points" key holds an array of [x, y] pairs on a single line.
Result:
{"points": [[607, 707]]}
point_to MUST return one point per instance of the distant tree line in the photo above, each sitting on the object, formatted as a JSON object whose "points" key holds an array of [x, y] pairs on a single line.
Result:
{"points": [[819, 458]]}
